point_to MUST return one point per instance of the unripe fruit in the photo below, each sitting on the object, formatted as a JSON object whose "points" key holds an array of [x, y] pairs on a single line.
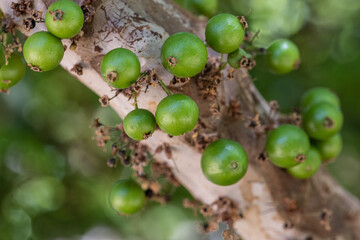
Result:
{"points": [[43, 51], [177, 114], [64, 19], [224, 162], [12, 73], [183, 54], [322, 121], [307, 168], [126, 197], [2, 55], [139, 124], [120, 68], [224, 33], [287, 145], [329, 148], [318, 95], [282, 56], [205, 7]]}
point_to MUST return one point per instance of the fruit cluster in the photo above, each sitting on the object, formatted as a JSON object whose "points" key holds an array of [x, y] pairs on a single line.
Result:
{"points": [[43, 51], [289, 146]]}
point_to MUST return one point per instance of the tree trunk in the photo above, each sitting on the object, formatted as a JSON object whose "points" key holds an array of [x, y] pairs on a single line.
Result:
{"points": [[274, 205]]}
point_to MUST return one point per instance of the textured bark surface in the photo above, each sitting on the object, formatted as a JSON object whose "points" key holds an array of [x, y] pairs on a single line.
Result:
{"points": [[269, 198]]}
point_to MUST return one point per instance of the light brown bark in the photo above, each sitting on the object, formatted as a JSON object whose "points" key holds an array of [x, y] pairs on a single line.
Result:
{"points": [[267, 196]]}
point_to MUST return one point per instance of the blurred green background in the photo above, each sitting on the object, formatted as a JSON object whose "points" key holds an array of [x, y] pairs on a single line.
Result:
{"points": [[54, 181]]}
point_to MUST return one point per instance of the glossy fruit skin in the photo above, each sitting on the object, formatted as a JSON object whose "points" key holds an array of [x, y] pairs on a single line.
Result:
{"points": [[285, 144], [71, 22], [126, 65], [188, 51], [282, 56], [205, 7], [13, 72], [43, 50], [322, 121], [2, 55], [317, 95], [177, 114], [126, 197], [224, 33], [329, 148], [224, 162], [139, 124], [307, 168], [235, 57]]}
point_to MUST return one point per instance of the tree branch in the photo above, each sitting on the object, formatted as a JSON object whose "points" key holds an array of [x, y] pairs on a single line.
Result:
{"points": [[268, 197]]}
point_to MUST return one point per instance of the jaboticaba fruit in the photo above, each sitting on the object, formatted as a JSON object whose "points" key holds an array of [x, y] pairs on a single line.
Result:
{"points": [[224, 33], [126, 197], [309, 167], [177, 114], [322, 120], [139, 124], [12, 73], [282, 56], [120, 68], [183, 54], [287, 146], [43, 51], [224, 162], [64, 19]]}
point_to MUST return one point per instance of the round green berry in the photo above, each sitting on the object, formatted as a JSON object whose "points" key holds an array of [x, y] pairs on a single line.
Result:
{"points": [[183, 54], [64, 19], [318, 95], [282, 56], [126, 197], [139, 124], [12, 73], [43, 51], [120, 68], [177, 114], [205, 7], [2, 55], [224, 162], [322, 121], [287, 145], [224, 33], [235, 57], [329, 148], [307, 168]]}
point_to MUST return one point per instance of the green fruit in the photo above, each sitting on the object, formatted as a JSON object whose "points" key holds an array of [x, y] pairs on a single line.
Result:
{"points": [[224, 33], [236, 56], [224, 162], [120, 68], [177, 114], [126, 197], [183, 54], [139, 124], [12, 73], [282, 56], [64, 19], [2, 55], [205, 7], [330, 148], [318, 95], [322, 121], [44, 51], [287, 145], [307, 168]]}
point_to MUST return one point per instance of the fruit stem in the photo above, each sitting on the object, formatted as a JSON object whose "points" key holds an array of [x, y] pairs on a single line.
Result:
{"points": [[135, 100], [255, 36], [168, 92]]}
